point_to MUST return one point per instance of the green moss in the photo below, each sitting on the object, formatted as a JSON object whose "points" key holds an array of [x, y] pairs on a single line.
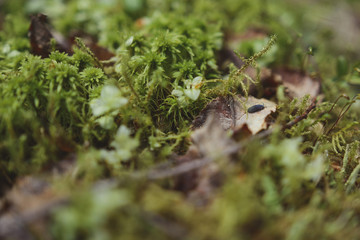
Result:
{"points": [[125, 115]]}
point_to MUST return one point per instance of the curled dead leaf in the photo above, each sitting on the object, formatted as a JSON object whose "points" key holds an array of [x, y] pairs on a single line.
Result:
{"points": [[255, 120], [211, 140], [221, 108], [213, 143], [297, 83], [233, 113], [90, 41], [40, 34]]}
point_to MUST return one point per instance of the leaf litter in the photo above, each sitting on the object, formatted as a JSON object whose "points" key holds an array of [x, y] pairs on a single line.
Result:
{"points": [[41, 34]]}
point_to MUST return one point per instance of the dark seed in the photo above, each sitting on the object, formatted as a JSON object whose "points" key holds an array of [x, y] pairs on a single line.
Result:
{"points": [[255, 108]]}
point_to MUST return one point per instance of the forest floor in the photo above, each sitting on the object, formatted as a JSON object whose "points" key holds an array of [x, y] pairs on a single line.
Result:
{"points": [[150, 119]]}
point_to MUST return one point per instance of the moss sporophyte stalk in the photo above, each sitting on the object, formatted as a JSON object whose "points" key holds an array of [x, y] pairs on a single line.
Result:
{"points": [[197, 119]]}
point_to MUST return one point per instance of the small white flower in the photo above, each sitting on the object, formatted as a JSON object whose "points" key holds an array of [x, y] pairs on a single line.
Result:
{"points": [[192, 90], [110, 100], [106, 122], [197, 81], [178, 92], [192, 93], [123, 145], [129, 41]]}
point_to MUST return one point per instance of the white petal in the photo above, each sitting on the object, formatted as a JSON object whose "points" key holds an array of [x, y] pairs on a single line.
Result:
{"points": [[192, 93]]}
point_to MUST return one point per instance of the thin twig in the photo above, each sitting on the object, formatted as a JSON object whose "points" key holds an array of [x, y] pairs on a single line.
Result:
{"points": [[342, 113], [301, 117], [337, 99], [180, 169]]}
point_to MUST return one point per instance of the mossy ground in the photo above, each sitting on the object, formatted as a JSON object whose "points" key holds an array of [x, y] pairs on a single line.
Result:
{"points": [[134, 112]]}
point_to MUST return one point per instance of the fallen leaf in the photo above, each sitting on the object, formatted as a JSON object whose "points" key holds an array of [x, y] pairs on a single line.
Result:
{"points": [[222, 108], [233, 113], [100, 52], [198, 173], [255, 121], [90, 41], [212, 141], [269, 84], [298, 84], [40, 34]]}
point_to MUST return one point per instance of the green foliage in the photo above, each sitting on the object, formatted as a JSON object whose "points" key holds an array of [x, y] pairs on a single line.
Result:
{"points": [[51, 93], [122, 116], [91, 211], [167, 60], [107, 106], [123, 146], [239, 76]]}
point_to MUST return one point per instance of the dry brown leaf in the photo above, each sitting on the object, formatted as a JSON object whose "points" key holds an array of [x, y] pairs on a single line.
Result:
{"points": [[199, 173], [40, 34], [90, 41], [298, 84], [221, 108], [232, 113], [255, 121], [211, 140]]}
